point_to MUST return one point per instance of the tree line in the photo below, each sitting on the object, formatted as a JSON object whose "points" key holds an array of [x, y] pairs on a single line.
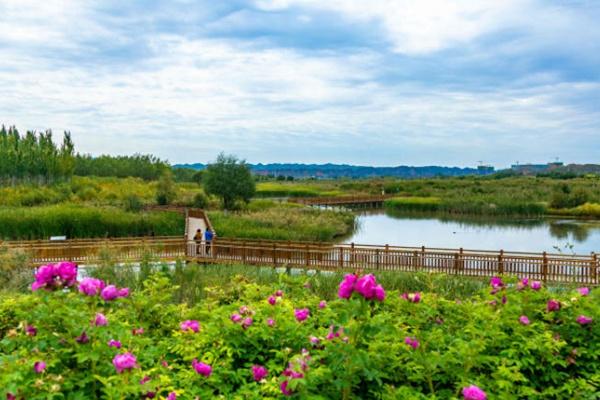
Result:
{"points": [[34, 157]]}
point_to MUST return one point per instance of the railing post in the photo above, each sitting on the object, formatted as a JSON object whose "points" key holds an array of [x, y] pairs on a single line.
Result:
{"points": [[377, 261], [422, 256], [341, 261], [352, 255], [275, 254], [456, 263], [244, 252], [386, 258], [307, 255], [545, 267], [594, 268], [461, 259], [501, 262], [415, 259]]}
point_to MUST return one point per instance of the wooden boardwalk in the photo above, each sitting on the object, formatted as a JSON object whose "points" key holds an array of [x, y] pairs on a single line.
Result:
{"points": [[347, 201]]}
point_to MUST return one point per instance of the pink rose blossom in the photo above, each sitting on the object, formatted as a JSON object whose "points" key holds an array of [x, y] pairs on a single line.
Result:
{"points": [[496, 282], [100, 320], [279, 293], [473, 393], [190, 325], [322, 304], [412, 342], [235, 317], [172, 396], [259, 372], [39, 367], [114, 343], [583, 320], [301, 314], [524, 320], [270, 322], [536, 285], [272, 300], [124, 362], [201, 368], [137, 331], [91, 286], [284, 389], [30, 330], [553, 305], [365, 285], [247, 322], [347, 286], [83, 338], [584, 291]]}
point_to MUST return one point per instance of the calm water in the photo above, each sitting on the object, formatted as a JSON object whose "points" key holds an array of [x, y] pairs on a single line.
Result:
{"points": [[535, 235]]}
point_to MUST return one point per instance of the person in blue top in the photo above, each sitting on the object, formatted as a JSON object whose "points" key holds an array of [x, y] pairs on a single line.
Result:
{"points": [[208, 236]]}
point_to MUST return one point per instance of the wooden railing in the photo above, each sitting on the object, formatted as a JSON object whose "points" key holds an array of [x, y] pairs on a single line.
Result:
{"points": [[89, 251], [341, 200], [327, 256]]}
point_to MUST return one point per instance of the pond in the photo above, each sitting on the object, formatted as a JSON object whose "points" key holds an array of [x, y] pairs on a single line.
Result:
{"points": [[510, 234]]}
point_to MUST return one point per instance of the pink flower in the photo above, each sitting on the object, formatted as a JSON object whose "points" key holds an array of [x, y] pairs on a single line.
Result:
{"points": [[259, 372], [584, 291], [553, 305], [124, 361], [496, 282], [172, 396], [279, 293], [284, 389], [473, 393], [91, 286], [314, 340], [322, 304], [244, 310], [270, 322], [247, 322], [365, 285], [54, 276], [137, 331], [525, 281], [100, 320], [144, 380], [109, 293], [272, 300], [301, 314], [201, 368], [114, 343], [412, 297], [379, 293], [503, 299], [83, 338], [412, 342], [347, 286], [536, 285], [123, 292], [39, 367], [67, 272], [583, 320], [30, 330], [235, 317], [10, 396], [524, 320], [190, 325]]}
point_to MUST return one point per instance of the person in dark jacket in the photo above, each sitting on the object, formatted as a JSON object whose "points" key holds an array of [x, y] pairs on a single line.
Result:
{"points": [[198, 240]]}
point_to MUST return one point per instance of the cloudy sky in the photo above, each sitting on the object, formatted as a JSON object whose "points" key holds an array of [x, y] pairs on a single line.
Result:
{"points": [[379, 82]]}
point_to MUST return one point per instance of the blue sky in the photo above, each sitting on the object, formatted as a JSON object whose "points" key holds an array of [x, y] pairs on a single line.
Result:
{"points": [[376, 82]]}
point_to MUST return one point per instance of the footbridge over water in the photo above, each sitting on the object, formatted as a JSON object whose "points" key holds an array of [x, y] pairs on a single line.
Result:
{"points": [[343, 201]]}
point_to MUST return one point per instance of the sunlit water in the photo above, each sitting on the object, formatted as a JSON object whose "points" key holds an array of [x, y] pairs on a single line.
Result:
{"points": [[534, 235]]}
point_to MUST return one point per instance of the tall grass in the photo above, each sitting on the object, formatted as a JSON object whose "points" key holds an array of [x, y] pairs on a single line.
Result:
{"points": [[283, 223], [76, 221], [293, 189], [477, 206], [197, 282]]}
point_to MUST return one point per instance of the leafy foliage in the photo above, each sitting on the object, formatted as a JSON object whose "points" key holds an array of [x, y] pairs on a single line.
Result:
{"points": [[230, 179], [347, 349]]}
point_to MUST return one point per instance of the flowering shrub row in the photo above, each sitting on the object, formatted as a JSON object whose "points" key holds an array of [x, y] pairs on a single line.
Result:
{"points": [[91, 339]]}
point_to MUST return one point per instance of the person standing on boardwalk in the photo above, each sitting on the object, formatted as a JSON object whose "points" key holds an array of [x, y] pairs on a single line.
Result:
{"points": [[208, 235], [198, 240]]}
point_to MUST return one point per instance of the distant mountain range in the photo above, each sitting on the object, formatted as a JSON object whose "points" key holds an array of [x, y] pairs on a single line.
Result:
{"points": [[354, 171]]}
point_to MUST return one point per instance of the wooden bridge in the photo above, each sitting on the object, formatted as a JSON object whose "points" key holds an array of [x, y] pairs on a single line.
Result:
{"points": [[578, 269], [343, 201]]}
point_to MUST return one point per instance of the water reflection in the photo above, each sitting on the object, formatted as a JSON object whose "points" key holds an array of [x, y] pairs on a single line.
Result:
{"points": [[517, 234]]}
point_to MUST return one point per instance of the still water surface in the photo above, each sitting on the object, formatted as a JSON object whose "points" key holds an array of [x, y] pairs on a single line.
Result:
{"points": [[534, 235]]}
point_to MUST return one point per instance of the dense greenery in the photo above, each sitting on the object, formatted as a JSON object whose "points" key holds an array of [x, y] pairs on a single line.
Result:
{"points": [[34, 157], [229, 179], [143, 166], [517, 342], [76, 221], [267, 220], [434, 204]]}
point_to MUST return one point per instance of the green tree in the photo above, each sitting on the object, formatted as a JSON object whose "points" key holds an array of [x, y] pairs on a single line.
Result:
{"points": [[166, 192], [230, 179]]}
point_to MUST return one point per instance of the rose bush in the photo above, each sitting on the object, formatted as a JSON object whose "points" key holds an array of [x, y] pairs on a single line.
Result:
{"points": [[516, 339]]}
